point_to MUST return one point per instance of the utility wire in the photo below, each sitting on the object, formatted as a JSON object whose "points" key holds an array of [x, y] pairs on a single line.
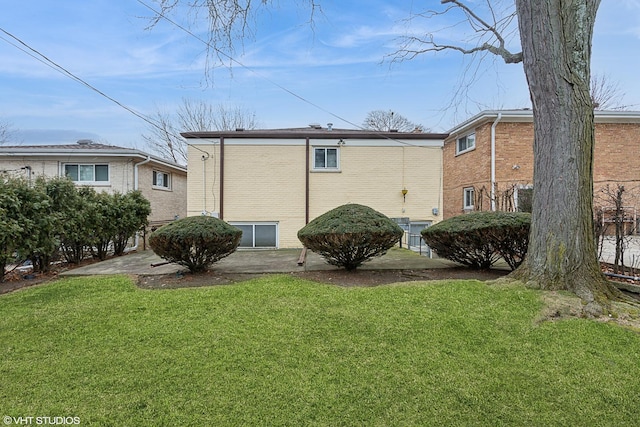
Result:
{"points": [[276, 84], [34, 53]]}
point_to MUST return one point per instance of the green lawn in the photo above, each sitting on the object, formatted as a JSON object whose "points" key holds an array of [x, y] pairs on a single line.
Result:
{"points": [[283, 351]]}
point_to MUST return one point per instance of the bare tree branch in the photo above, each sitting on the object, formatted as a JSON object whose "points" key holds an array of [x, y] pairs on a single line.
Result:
{"points": [[196, 116], [6, 132], [228, 22], [489, 34], [606, 94], [385, 121]]}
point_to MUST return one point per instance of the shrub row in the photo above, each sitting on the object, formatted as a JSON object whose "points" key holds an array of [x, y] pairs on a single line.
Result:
{"points": [[40, 219], [352, 234], [479, 239], [346, 236]]}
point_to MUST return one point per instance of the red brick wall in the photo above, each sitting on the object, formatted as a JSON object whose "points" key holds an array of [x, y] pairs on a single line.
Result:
{"points": [[616, 160], [470, 169]]}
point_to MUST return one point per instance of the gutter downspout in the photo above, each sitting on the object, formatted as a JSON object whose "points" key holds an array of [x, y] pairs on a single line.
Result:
{"points": [[204, 158], [493, 162], [307, 182], [135, 171], [135, 187], [221, 216]]}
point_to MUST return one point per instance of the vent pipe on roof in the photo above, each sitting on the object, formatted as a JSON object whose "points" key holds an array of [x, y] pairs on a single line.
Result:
{"points": [[84, 142], [329, 126]]}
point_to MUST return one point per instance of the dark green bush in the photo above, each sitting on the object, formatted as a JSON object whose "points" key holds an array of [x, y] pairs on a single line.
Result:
{"points": [[479, 239], [350, 234], [195, 242]]}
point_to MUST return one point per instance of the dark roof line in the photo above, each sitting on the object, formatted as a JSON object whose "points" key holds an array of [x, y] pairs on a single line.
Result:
{"points": [[84, 149], [323, 133]]}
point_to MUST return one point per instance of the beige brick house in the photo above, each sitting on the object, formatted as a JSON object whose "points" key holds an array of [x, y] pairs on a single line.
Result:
{"points": [[106, 168], [488, 160], [270, 183]]}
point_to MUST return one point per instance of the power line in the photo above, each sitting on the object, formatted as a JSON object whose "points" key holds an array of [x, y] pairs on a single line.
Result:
{"points": [[276, 84], [34, 53]]}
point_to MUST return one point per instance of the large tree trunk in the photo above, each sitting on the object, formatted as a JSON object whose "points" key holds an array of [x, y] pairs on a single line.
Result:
{"points": [[556, 41]]}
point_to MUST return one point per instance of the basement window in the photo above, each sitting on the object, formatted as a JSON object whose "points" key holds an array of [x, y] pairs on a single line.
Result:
{"points": [[258, 234]]}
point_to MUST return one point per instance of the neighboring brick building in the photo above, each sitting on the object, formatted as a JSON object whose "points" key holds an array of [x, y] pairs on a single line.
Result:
{"points": [[270, 183], [474, 179], [105, 168]]}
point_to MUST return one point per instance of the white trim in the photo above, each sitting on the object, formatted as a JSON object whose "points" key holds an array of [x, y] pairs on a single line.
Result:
{"points": [[89, 154], [465, 191], [169, 179], [315, 168], [93, 182], [466, 150], [299, 142], [526, 115], [493, 162]]}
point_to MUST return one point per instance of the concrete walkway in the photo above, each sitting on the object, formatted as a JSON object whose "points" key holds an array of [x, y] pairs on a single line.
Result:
{"points": [[254, 261]]}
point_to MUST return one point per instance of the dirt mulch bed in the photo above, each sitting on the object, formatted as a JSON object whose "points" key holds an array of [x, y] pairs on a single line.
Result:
{"points": [[338, 277]]}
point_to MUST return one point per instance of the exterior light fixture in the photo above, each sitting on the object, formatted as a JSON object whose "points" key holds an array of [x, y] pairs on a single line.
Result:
{"points": [[404, 194]]}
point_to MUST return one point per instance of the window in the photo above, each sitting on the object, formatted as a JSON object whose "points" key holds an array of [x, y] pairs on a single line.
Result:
{"points": [[466, 143], [415, 238], [469, 198], [325, 158], [162, 180], [87, 173], [258, 235]]}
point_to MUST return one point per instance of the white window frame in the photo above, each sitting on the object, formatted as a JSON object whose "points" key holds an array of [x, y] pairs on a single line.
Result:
{"points": [[468, 193], [326, 168], [253, 225], [166, 184], [87, 182], [414, 236], [469, 143]]}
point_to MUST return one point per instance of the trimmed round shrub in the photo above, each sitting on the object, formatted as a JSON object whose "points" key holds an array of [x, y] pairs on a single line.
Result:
{"points": [[479, 239], [350, 234], [195, 242]]}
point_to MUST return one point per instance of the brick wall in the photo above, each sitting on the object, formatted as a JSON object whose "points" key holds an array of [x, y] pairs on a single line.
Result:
{"points": [[266, 183], [165, 205], [616, 161], [469, 169]]}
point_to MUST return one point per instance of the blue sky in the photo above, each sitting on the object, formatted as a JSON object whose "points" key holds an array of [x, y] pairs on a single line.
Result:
{"points": [[338, 65]]}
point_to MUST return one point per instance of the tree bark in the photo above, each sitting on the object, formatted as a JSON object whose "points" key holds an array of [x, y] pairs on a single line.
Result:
{"points": [[556, 41]]}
